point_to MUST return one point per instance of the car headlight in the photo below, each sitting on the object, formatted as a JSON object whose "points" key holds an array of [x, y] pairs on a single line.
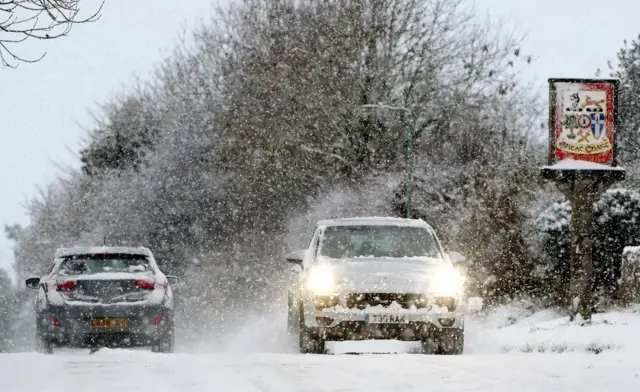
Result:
{"points": [[320, 280], [446, 282]]}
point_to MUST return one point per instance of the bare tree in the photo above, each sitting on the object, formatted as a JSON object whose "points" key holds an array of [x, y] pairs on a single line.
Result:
{"points": [[303, 70], [39, 19]]}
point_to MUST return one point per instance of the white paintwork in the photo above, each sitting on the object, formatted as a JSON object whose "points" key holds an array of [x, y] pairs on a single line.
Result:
{"points": [[50, 280], [383, 275], [456, 257], [475, 304], [373, 275]]}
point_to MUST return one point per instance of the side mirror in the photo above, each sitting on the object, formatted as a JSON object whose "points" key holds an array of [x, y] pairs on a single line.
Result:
{"points": [[475, 304], [296, 257], [33, 283], [173, 280], [455, 257]]}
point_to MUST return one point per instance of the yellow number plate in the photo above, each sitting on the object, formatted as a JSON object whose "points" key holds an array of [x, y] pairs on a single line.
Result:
{"points": [[117, 323]]}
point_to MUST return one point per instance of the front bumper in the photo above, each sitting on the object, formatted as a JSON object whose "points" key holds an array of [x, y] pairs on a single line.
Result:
{"points": [[339, 323], [71, 325]]}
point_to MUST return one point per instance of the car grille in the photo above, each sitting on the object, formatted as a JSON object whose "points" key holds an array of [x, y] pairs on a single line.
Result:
{"points": [[363, 300]]}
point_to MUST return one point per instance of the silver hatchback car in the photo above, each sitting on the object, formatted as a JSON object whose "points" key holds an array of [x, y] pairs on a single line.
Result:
{"points": [[104, 296]]}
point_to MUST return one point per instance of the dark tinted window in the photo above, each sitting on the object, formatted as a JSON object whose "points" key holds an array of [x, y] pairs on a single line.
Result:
{"points": [[101, 263], [378, 241]]}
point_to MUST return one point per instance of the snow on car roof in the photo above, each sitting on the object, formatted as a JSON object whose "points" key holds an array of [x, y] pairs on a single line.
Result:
{"points": [[79, 250], [374, 220]]}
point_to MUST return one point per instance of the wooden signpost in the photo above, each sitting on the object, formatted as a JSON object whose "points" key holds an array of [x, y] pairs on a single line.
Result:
{"points": [[582, 163]]}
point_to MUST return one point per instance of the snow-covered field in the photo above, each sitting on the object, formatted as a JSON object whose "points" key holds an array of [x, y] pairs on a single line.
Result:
{"points": [[504, 352]]}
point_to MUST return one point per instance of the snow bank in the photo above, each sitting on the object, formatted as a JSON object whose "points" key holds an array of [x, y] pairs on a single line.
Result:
{"points": [[548, 332], [519, 328]]}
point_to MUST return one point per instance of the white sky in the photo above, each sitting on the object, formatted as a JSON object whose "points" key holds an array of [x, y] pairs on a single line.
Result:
{"points": [[44, 103]]}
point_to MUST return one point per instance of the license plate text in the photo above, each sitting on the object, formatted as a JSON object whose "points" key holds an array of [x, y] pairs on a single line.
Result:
{"points": [[109, 323], [386, 319]]}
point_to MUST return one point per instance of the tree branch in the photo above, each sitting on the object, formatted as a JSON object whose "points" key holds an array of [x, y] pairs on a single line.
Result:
{"points": [[37, 19]]}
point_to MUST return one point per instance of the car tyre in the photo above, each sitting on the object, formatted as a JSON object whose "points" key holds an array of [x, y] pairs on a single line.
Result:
{"points": [[292, 321], [310, 343], [429, 346], [166, 344], [44, 344], [451, 341]]}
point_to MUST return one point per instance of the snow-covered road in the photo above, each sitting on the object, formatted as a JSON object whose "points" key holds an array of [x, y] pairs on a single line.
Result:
{"points": [[541, 352], [136, 371]]}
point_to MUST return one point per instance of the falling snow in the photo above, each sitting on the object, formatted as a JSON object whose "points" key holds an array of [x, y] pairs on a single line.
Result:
{"points": [[278, 114]]}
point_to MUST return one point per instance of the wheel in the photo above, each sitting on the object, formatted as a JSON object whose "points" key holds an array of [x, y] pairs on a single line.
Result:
{"points": [[451, 341], [293, 324], [166, 344], [310, 343], [429, 346], [43, 343], [292, 320]]}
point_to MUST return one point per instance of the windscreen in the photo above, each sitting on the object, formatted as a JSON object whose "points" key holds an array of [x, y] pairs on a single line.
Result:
{"points": [[378, 241], [102, 263]]}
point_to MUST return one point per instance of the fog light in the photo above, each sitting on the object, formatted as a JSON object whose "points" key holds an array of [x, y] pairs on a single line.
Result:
{"points": [[446, 322]]}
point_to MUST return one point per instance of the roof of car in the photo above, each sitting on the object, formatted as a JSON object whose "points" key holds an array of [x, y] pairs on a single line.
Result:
{"points": [[374, 221], [87, 250]]}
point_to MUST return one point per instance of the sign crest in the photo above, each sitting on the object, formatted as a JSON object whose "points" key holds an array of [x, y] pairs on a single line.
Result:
{"points": [[582, 118]]}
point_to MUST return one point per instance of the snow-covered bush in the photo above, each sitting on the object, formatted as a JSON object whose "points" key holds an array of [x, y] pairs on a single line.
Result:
{"points": [[630, 276], [493, 235], [552, 234], [616, 225]]}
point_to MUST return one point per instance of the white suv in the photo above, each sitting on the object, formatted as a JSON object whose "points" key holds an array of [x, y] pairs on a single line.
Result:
{"points": [[375, 278]]}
